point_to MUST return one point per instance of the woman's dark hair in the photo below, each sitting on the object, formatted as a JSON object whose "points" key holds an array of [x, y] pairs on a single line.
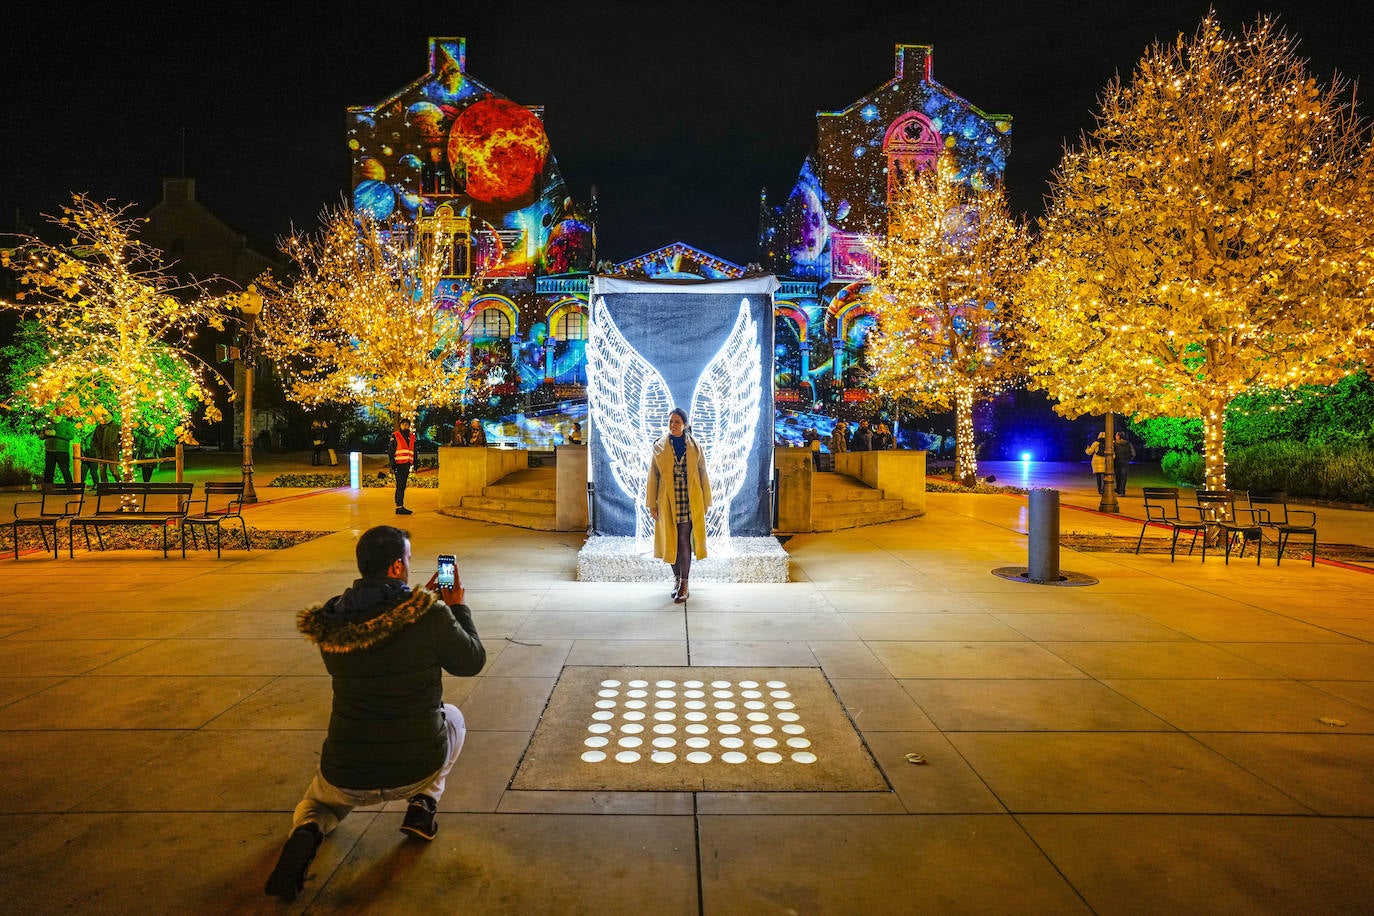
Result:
{"points": [[679, 412], [378, 548]]}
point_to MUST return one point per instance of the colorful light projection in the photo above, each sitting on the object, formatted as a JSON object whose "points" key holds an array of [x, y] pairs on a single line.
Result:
{"points": [[841, 193], [448, 139]]}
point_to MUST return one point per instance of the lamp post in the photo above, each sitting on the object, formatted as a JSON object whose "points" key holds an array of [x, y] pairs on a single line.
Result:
{"points": [[250, 304], [1108, 502]]}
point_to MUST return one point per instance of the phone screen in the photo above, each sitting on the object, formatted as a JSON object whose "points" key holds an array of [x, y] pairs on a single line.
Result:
{"points": [[448, 570]]}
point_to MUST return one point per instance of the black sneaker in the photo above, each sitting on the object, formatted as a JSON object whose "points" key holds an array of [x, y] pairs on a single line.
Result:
{"points": [[288, 878], [402, 510], [420, 817]]}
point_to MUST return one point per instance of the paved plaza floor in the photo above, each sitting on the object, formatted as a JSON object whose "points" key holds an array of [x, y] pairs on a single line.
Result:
{"points": [[1181, 737]]}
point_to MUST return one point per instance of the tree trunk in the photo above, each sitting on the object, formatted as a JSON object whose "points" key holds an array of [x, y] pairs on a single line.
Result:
{"points": [[1214, 444], [965, 456], [128, 411]]}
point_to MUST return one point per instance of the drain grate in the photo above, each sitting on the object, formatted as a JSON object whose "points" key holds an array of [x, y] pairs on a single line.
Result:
{"points": [[696, 729]]}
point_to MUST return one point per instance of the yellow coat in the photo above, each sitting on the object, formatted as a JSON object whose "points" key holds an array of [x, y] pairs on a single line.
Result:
{"points": [[659, 495]]}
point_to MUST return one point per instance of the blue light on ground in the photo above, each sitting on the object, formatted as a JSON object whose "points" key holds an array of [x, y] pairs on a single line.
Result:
{"points": [[1025, 456]]}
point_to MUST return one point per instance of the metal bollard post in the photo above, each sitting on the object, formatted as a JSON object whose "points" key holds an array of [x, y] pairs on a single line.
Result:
{"points": [[1043, 541]]}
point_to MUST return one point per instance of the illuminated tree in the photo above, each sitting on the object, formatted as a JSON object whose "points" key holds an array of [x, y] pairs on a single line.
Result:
{"points": [[948, 267], [119, 335], [1210, 236], [370, 318]]}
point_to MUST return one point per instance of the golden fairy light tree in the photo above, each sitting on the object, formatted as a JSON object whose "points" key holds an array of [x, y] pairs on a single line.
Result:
{"points": [[369, 318], [949, 266], [1210, 236], [119, 323]]}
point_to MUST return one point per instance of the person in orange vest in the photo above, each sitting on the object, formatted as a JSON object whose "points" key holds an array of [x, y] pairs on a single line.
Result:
{"points": [[402, 456]]}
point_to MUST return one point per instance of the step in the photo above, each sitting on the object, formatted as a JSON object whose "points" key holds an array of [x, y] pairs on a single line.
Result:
{"points": [[516, 504], [843, 497], [505, 490], [538, 522], [889, 510]]}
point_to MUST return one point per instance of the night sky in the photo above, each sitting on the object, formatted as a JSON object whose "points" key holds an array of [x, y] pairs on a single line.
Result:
{"points": [[678, 114]]}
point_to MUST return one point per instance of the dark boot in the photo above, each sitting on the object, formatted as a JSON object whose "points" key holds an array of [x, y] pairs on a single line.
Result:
{"points": [[288, 878], [681, 596], [677, 582]]}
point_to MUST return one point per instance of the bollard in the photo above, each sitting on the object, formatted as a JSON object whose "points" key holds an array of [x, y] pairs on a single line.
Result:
{"points": [[1043, 541], [355, 469]]}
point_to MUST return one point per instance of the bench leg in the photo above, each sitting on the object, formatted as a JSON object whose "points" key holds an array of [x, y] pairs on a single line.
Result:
{"points": [[246, 545]]}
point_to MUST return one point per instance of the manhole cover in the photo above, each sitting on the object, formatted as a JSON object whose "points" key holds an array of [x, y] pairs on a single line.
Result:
{"points": [[696, 729]]}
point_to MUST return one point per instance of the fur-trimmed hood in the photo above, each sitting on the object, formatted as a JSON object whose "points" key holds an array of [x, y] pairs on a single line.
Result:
{"points": [[365, 615]]}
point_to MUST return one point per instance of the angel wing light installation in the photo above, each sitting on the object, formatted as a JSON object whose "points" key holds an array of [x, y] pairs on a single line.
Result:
{"points": [[630, 402]]}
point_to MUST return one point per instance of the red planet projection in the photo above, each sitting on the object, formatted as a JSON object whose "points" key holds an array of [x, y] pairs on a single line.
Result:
{"points": [[502, 147]]}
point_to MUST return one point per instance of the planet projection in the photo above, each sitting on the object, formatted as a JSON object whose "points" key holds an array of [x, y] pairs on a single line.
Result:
{"points": [[502, 148]]}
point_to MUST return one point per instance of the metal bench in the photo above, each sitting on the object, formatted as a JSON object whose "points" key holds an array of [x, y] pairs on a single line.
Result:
{"points": [[223, 502], [60, 502], [125, 504]]}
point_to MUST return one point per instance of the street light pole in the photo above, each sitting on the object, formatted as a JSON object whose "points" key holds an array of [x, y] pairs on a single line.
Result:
{"points": [[250, 303]]}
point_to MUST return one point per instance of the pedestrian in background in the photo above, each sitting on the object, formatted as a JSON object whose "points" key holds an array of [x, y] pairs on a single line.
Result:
{"points": [[1097, 451], [402, 457], [57, 451], [1122, 453]]}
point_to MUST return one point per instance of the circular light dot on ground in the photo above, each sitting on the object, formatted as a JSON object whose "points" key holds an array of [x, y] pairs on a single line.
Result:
{"points": [[662, 757], [698, 757], [749, 685], [798, 742], [634, 715], [724, 704], [722, 694], [601, 715], [664, 742], [665, 683], [646, 684], [720, 685], [665, 694], [692, 684], [637, 694], [729, 728], [694, 704], [804, 757], [728, 716], [605, 704], [732, 742], [610, 683], [635, 704], [596, 741], [788, 716], [626, 757], [772, 685], [696, 728], [608, 693], [757, 717], [784, 704], [593, 756], [694, 716], [698, 742], [768, 757], [761, 729], [665, 704], [734, 757], [751, 694], [664, 728], [632, 728], [665, 716], [630, 741], [754, 704], [792, 728], [780, 694], [765, 742], [598, 728], [694, 694]]}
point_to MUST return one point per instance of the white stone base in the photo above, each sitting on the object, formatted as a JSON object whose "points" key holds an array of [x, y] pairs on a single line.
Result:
{"points": [[623, 559]]}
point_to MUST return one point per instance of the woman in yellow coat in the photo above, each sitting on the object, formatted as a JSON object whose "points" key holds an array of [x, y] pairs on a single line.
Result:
{"points": [[677, 496]]}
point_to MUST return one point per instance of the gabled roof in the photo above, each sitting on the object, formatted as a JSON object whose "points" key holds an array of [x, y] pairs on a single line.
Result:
{"points": [[678, 259]]}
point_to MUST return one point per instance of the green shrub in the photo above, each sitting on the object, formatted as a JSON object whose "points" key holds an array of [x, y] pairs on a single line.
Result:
{"points": [[1184, 468], [1339, 472], [21, 458]]}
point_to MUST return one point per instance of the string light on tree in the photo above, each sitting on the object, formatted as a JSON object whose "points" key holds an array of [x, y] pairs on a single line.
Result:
{"points": [[119, 327], [374, 318], [1211, 236], [950, 264]]}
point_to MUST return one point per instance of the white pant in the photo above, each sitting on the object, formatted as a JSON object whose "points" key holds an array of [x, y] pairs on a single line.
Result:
{"points": [[325, 804]]}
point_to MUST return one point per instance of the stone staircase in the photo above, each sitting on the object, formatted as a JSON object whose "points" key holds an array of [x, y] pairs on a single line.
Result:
{"points": [[839, 501], [525, 499]]}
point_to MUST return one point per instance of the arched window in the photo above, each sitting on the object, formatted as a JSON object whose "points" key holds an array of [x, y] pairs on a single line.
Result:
{"points": [[490, 324], [571, 325], [911, 144]]}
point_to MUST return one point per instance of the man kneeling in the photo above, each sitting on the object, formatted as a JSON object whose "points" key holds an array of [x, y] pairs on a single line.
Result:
{"points": [[391, 735]]}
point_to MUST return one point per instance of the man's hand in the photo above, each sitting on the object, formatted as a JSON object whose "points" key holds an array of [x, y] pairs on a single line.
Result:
{"points": [[450, 596]]}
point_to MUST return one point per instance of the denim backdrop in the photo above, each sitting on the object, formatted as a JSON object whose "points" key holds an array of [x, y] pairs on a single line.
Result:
{"points": [[679, 332]]}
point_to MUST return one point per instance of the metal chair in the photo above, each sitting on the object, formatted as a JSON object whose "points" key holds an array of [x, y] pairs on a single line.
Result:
{"points": [[1271, 511], [1217, 508], [56, 505], [1162, 508], [228, 499]]}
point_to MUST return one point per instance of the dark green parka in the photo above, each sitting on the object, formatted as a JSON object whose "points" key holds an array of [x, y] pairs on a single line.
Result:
{"points": [[386, 648]]}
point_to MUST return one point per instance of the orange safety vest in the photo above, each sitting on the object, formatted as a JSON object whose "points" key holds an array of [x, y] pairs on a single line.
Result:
{"points": [[405, 448]]}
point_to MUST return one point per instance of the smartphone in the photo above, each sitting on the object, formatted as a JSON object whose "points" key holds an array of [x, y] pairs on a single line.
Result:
{"points": [[448, 571]]}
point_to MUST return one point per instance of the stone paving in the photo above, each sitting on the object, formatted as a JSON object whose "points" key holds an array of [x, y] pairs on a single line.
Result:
{"points": [[1182, 737]]}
